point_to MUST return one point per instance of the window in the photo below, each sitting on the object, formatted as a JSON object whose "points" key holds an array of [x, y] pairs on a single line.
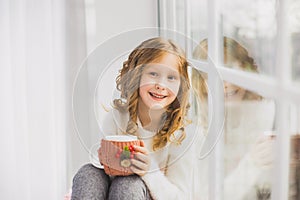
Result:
{"points": [[267, 35]]}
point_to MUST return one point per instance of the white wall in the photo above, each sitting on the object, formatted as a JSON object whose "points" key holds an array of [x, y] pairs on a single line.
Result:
{"points": [[114, 16]]}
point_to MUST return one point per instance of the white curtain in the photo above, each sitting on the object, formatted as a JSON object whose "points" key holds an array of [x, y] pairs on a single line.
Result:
{"points": [[39, 55]]}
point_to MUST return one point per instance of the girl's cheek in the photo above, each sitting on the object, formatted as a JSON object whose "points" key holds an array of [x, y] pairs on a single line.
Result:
{"points": [[174, 88], [147, 81]]}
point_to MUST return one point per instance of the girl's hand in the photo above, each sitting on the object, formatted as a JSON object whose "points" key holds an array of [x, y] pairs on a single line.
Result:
{"points": [[141, 161]]}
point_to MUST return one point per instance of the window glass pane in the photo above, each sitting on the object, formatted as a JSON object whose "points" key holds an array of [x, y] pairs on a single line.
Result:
{"points": [[296, 56], [249, 124], [235, 55], [198, 22], [180, 16], [253, 25], [294, 28], [197, 15], [172, 15], [248, 144]]}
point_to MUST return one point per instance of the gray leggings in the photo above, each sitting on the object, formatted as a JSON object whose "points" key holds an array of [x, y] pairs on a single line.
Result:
{"points": [[91, 183]]}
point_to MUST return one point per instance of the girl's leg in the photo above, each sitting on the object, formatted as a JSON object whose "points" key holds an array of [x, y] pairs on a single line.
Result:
{"points": [[128, 187], [90, 183]]}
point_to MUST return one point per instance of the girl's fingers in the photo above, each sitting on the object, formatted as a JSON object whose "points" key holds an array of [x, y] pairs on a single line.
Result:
{"points": [[141, 161], [140, 165], [142, 157], [137, 171], [142, 143], [141, 149]]}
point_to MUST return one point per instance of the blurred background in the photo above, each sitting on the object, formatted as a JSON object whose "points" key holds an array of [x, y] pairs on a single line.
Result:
{"points": [[44, 43]]}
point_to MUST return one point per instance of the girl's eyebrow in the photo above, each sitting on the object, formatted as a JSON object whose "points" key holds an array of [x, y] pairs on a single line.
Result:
{"points": [[158, 66]]}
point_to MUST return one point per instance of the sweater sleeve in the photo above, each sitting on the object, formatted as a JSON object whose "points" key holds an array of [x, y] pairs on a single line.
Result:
{"points": [[176, 183], [108, 127]]}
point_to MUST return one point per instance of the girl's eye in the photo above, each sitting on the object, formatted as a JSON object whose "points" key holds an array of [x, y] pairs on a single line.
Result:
{"points": [[172, 78], [154, 74]]}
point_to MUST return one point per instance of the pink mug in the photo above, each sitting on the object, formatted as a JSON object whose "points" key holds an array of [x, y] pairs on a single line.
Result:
{"points": [[116, 152]]}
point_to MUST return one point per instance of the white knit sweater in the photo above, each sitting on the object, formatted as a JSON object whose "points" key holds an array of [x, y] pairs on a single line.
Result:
{"points": [[171, 170]]}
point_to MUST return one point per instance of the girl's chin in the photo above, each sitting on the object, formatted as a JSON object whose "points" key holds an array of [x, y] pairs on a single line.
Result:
{"points": [[156, 107]]}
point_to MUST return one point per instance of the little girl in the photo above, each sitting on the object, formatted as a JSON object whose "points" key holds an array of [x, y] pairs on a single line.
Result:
{"points": [[153, 105]]}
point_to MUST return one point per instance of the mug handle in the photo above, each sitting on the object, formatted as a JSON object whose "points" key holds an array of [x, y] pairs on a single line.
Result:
{"points": [[93, 155]]}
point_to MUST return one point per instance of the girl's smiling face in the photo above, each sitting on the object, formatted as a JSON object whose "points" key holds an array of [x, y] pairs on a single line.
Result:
{"points": [[160, 82]]}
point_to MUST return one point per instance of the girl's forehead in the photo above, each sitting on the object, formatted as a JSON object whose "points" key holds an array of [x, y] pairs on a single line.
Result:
{"points": [[166, 60]]}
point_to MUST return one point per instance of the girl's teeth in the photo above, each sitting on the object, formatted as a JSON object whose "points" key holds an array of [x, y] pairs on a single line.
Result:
{"points": [[158, 96]]}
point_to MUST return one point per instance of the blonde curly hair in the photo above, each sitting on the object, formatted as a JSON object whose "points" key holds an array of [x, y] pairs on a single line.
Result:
{"points": [[128, 83]]}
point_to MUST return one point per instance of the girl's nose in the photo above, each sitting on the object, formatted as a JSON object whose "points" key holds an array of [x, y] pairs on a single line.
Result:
{"points": [[159, 87]]}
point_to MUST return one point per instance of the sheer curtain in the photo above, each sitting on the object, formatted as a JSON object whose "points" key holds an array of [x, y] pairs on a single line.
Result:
{"points": [[40, 50]]}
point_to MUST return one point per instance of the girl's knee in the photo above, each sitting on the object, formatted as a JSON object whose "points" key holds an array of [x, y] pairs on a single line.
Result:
{"points": [[90, 173], [129, 180], [132, 187], [90, 183]]}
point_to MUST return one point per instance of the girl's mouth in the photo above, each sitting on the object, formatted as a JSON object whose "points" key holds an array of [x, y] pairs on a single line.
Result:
{"points": [[158, 96]]}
